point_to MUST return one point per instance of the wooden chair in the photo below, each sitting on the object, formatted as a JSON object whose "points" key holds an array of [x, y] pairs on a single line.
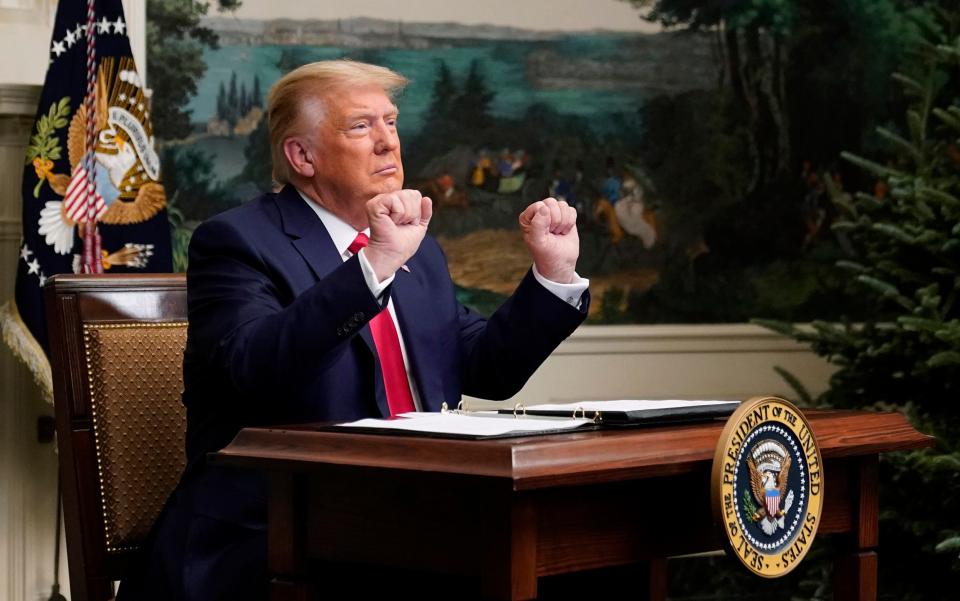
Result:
{"points": [[116, 349]]}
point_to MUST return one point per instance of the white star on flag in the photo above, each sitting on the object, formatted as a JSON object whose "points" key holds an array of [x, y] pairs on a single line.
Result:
{"points": [[43, 279], [81, 29], [119, 26], [71, 39], [104, 25], [58, 48], [33, 266], [25, 252]]}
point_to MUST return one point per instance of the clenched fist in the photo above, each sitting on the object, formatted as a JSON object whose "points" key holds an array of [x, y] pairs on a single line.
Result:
{"points": [[550, 232], [398, 223]]}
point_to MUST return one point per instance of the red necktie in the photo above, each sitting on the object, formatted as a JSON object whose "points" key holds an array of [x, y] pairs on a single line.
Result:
{"points": [[387, 341]]}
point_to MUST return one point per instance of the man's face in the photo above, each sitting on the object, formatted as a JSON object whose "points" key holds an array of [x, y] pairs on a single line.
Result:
{"points": [[357, 149]]}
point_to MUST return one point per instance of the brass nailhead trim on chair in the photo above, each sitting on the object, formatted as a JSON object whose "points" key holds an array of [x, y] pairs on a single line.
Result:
{"points": [[108, 526]]}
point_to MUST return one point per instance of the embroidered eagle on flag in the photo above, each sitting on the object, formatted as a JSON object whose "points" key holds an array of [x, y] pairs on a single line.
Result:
{"points": [[769, 464], [127, 166]]}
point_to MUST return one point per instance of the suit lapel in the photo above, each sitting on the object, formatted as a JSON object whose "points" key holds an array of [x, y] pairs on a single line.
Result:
{"points": [[307, 233], [314, 244]]}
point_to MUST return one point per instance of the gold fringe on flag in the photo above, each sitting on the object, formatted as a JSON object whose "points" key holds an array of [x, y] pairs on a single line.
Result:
{"points": [[26, 348]]}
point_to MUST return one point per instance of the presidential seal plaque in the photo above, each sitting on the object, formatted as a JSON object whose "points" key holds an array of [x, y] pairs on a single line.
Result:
{"points": [[768, 485]]}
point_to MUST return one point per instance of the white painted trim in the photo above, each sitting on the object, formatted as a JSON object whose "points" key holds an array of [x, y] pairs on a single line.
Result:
{"points": [[20, 5], [28, 11], [701, 338], [10, 229], [24, 41], [19, 99], [14, 460], [135, 12]]}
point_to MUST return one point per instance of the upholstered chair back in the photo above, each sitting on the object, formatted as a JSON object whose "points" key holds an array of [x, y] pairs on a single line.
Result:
{"points": [[116, 346]]}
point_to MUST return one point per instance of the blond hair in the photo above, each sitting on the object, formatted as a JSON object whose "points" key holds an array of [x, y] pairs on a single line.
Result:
{"points": [[287, 108]]}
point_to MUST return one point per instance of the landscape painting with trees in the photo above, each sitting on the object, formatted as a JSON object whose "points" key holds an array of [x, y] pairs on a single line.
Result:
{"points": [[695, 147]]}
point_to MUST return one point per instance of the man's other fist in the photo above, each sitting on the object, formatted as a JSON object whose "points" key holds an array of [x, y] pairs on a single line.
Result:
{"points": [[550, 232]]}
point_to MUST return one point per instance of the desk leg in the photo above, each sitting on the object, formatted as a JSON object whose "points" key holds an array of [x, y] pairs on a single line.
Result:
{"points": [[856, 566], [509, 570], [658, 579], [285, 541], [857, 577]]}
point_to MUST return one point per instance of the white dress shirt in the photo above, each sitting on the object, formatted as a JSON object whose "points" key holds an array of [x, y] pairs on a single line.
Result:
{"points": [[343, 234]]}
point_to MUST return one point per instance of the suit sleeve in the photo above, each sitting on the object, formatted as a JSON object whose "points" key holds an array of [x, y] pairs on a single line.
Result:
{"points": [[500, 354], [254, 331]]}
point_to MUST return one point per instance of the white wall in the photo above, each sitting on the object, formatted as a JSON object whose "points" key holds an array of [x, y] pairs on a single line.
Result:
{"points": [[728, 361], [25, 30], [733, 361]]}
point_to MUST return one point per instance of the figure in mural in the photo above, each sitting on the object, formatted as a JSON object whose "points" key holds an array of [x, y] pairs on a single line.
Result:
{"points": [[560, 188], [813, 199], [634, 217], [444, 190], [604, 210], [482, 169], [622, 208], [512, 169], [505, 164]]}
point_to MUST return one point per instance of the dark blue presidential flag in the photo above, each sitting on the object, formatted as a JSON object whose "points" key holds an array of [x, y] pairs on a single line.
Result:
{"points": [[105, 155]]}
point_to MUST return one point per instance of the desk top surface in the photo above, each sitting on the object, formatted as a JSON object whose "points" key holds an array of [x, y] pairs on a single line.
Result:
{"points": [[551, 460]]}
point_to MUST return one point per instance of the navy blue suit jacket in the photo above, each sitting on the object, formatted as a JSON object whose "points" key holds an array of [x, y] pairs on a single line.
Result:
{"points": [[278, 327], [278, 335]]}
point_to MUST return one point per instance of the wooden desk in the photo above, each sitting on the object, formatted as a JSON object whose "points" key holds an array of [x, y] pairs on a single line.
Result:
{"points": [[513, 510]]}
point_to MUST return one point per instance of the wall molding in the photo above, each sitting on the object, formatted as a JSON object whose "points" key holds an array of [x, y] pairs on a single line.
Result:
{"points": [[10, 229], [660, 339], [15, 133], [14, 515], [19, 99]]}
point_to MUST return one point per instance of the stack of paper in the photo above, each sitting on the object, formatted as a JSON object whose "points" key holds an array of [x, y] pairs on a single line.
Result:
{"points": [[468, 425]]}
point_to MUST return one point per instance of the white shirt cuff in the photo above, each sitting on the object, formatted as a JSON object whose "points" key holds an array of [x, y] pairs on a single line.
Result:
{"points": [[571, 293], [376, 287]]}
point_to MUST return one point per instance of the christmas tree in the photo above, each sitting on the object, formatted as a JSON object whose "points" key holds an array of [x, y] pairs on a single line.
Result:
{"points": [[904, 242]]}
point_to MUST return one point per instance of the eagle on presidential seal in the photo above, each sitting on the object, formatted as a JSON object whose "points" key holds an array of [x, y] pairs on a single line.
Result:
{"points": [[769, 464], [127, 167]]}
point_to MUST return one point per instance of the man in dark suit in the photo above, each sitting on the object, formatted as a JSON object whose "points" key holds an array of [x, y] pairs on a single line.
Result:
{"points": [[326, 301]]}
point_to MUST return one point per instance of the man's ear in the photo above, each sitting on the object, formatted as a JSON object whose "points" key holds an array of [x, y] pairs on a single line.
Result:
{"points": [[299, 156]]}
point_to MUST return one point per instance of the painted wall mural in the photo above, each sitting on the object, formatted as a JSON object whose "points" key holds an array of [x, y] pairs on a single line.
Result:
{"points": [[698, 146]]}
